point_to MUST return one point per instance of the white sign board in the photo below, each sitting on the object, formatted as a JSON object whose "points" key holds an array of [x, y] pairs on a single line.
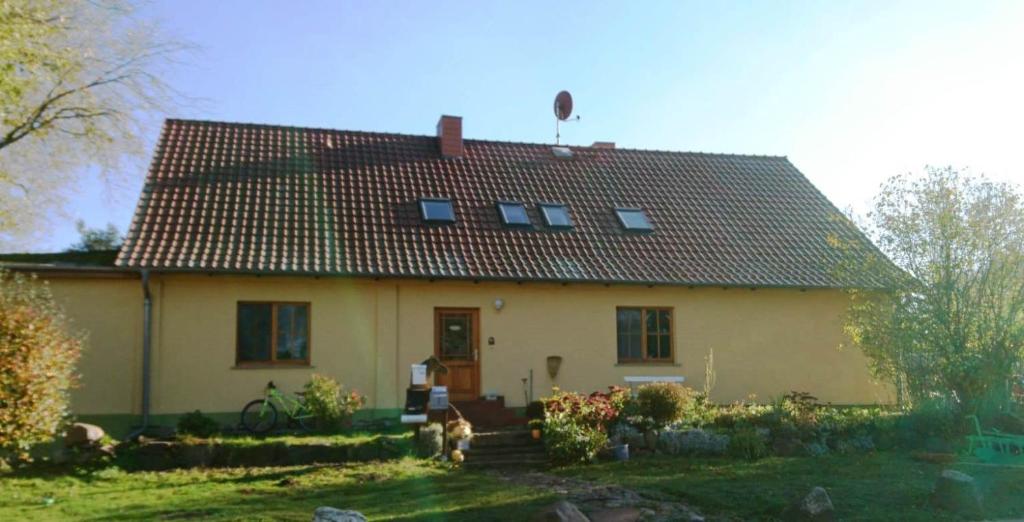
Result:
{"points": [[419, 374]]}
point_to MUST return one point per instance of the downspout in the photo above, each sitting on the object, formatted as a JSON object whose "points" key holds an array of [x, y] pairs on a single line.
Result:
{"points": [[147, 342]]}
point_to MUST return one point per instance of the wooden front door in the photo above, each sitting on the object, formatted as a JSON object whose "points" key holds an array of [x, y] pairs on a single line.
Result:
{"points": [[457, 345]]}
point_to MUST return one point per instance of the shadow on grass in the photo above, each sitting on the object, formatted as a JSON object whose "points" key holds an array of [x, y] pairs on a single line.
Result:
{"points": [[877, 486], [407, 490]]}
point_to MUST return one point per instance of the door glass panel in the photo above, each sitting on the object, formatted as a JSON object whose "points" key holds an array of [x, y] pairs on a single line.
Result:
{"points": [[455, 336]]}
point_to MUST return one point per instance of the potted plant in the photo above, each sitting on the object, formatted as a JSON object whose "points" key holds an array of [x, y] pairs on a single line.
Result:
{"points": [[536, 426], [460, 431]]}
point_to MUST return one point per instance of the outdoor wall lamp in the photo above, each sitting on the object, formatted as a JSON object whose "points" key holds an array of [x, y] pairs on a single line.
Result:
{"points": [[554, 363], [499, 303]]}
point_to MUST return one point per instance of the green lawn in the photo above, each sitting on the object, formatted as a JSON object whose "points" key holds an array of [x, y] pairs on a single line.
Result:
{"points": [[396, 490], [881, 486]]}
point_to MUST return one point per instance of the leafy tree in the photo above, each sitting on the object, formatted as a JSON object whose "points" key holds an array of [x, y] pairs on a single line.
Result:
{"points": [[37, 361], [80, 84], [93, 239], [953, 326]]}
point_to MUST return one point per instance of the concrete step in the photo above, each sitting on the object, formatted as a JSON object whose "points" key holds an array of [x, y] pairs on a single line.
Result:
{"points": [[525, 449], [503, 438]]}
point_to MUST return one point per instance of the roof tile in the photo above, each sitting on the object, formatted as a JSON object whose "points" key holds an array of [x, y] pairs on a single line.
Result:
{"points": [[229, 197]]}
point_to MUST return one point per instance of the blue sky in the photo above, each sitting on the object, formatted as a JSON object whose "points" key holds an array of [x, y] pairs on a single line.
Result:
{"points": [[851, 92]]}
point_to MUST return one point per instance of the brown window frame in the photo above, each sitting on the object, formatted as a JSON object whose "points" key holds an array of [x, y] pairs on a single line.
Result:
{"points": [[273, 336], [644, 359]]}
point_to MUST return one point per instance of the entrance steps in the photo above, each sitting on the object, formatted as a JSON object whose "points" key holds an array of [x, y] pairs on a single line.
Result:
{"points": [[505, 448]]}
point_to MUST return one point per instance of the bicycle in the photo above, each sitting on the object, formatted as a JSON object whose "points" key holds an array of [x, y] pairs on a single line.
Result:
{"points": [[260, 415]]}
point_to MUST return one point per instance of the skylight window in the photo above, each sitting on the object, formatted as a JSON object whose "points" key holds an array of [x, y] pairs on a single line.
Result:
{"points": [[437, 210], [513, 213], [556, 215], [633, 219]]}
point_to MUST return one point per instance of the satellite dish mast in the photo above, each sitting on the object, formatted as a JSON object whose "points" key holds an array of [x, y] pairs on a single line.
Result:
{"points": [[563, 109]]}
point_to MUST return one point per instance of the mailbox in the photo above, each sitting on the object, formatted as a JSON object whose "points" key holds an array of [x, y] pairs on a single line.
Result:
{"points": [[415, 401], [439, 398]]}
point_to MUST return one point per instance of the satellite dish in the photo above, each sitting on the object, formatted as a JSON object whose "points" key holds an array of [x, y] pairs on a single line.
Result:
{"points": [[563, 105]]}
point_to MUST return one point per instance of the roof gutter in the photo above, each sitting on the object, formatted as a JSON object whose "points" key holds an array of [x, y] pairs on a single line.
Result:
{"points": [[147, 343]]}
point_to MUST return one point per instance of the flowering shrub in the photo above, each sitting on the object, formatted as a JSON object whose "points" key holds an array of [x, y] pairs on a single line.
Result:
{"points": [[575, 426], [568, 439], [331, 406], [596, 410], [37, 361]]}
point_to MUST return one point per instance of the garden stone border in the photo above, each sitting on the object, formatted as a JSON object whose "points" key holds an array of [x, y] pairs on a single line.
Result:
{"points": [[165, 455]]}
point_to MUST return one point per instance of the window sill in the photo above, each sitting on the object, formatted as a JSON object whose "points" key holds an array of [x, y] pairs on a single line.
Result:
{"points": [[646, 364], [257, 366]]}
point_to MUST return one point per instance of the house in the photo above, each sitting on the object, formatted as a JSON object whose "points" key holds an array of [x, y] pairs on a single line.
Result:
{"points": [[262, 253]]}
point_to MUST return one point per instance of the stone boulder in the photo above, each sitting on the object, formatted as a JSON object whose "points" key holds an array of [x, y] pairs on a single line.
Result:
{"points": [[82, 434], [957, 492], [561, 511], [329, 514], [816, 506]]}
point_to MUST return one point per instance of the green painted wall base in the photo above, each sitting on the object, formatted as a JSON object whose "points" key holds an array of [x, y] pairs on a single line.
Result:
{"points": [[120, 425]]}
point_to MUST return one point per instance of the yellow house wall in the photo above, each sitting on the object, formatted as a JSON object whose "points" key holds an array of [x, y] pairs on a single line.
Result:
{"points": [[194, 348], [766, 342], [109, 313], [366, 333]]}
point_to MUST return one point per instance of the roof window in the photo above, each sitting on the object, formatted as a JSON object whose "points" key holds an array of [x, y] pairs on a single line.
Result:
{"points": [[513, 214], [556, 215], [561, 152], [633, 219], [437, 210]]}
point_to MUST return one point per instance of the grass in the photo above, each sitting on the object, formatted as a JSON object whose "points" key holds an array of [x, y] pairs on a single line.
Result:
{"points": [[351, 437], [404, 490], [879, 486]]}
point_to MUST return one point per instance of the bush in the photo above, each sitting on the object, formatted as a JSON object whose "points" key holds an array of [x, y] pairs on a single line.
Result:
{"points": [[37, 361], [597, 410], [430, 440], [331, 406], [664, 402], [197, 425], [575, 426], [569, 439], [747, 444], [692, 442], [535, 410]]}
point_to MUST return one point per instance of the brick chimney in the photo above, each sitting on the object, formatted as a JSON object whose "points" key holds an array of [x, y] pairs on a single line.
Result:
{"points": [[603, 145], [449, 136]]}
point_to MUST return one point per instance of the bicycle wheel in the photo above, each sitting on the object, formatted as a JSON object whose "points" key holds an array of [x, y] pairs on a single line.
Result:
{"points": [[304, 418], [259, 416]]}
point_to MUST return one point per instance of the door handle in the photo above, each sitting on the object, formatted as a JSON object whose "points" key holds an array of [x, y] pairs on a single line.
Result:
{"points": [[476, 354]]}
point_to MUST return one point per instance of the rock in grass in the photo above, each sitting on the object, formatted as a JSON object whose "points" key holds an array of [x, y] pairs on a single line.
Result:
{"points": [[82, 434], [561, 511], [957, 492], [816, 506], [329, 514]]}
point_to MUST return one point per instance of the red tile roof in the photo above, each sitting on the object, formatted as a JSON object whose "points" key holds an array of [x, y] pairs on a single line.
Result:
{"points": [[229, 197]]}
